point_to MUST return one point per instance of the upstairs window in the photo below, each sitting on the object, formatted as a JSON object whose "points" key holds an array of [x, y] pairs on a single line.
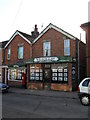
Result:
{"points": [[9, 53], [67, 47], [20, 52], [46, 48]]}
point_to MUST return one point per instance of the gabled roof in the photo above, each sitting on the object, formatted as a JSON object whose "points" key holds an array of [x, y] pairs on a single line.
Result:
{"points": [[2, 44], [57, 29], [25, 36], [85, 24]]}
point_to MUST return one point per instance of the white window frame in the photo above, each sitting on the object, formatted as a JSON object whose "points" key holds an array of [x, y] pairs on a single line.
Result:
{"points": [[67, 47], [49, 50], [8, 58], [20, 57]]}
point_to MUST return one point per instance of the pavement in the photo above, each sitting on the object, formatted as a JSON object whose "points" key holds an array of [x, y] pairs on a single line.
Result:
{"points": [[46, 93]]}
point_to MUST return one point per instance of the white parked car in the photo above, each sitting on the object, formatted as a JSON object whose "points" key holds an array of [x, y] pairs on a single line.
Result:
{"points": [[84, 91]]}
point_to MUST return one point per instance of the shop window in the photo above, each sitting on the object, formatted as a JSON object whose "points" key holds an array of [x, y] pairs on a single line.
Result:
{"points": [[20, 52], [60, 73], [0, 74], [46, 48], [67, 47], [9, 53], [15, 74], [36, 72]]}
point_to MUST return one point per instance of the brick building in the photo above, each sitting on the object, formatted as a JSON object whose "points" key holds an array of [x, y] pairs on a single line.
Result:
{"points": [[50, 60], [86, 28], [3, 69]]}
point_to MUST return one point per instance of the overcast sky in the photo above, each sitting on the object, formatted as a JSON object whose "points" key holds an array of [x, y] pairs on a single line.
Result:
{"points": [[24, 14]]}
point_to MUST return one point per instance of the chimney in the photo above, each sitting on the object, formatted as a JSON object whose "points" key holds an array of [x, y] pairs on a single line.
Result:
{"points": [[35, 33]]}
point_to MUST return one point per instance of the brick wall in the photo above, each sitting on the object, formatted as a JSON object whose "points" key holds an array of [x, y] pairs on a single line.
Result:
{"points": [[57, 44], [14, 50]]}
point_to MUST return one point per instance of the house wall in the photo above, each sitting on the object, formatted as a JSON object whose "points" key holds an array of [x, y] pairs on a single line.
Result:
{"points": [[1, 56], [57, 44], [82, 61], [88, 50], [14, 50]]}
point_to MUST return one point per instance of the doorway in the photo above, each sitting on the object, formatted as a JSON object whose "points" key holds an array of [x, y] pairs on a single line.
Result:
{"points": [[47, 77]]}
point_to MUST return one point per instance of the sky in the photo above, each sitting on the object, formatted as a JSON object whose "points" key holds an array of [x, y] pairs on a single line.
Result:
{"points": [[24, 14]]}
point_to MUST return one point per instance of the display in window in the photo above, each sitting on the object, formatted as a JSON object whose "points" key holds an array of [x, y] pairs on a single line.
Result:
{"points": [[54, 74], [65, 70], [32, 76], [60, 79], [60, 70], [40, 70], [40, 78], [65, 79], [60, 74], [40, 74], [54, 78], [37, 74], [65, 74], [37, 70], [37, 78], [54, 70]]}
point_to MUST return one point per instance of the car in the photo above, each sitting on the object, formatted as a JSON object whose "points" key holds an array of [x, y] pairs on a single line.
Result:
{"points": [[4, 87], [84, 91]]}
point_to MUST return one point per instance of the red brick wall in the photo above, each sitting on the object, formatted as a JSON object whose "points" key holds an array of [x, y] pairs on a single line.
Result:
{"points": [[57, 44], [1, 56], [88, 51], [82, 60], [14, 50], [87, 30]]}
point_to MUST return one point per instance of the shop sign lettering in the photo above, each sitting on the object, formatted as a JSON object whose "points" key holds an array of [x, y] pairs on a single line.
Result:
{"points": [[46, 59]]}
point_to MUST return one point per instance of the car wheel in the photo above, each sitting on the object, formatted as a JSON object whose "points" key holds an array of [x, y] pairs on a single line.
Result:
{"points": [[85, 100]]}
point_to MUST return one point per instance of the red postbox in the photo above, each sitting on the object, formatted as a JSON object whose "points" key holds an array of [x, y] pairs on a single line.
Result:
{"points": [[23, 79]]}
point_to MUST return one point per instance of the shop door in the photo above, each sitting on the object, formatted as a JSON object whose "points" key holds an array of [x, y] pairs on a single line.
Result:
{"points": [[47, 78]]}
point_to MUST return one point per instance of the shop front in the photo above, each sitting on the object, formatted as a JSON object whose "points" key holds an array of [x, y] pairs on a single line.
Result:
{"points": [[3, 74], [17, 76], [51, 73]]}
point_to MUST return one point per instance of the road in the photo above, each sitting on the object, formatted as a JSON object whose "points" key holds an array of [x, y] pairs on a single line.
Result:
{"points": [[31, 106]]}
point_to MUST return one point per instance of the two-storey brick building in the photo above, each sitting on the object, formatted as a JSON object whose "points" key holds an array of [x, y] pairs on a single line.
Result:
{"points": [[49, 60], [3, 69], [86, 28]]}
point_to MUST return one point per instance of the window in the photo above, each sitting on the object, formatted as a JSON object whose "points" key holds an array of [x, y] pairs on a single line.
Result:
{"points": [[85, 83], [60, 73], [15, 74], [9, 53], [46, 48], [36, 73], [67, 47], [20, 52]]}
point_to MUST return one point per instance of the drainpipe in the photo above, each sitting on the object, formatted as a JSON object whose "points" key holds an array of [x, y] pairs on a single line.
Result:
{"points": [[79, 59], [31, 51]]}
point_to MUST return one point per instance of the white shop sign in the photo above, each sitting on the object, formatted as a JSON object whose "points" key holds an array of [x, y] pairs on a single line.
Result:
{"points": [[46, 59]]}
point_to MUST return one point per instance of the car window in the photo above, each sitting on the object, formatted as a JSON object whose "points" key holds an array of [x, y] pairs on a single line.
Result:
{"points": [[85, 83]]}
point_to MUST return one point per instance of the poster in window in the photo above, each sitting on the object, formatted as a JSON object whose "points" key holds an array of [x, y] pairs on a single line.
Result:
{"points": [[54, 78], [37, 78], [40, 74], [40, 78], [65, 78], [54, 70], [60, 74], [32, 76], [65, 70], [54, 74], [40, 70], [60, 70], [37, 74], [65, 74], [60, 79], [37, 70]]}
